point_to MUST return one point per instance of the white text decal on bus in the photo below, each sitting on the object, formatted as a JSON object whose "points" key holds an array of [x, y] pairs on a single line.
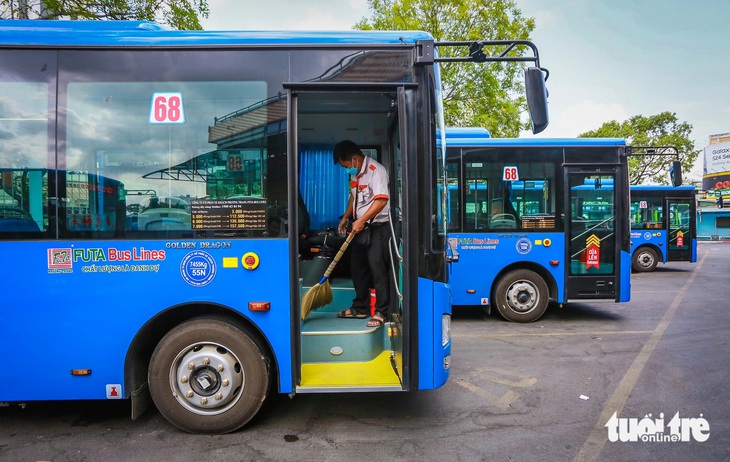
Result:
{"points": [[167, 108], [510, 173]]}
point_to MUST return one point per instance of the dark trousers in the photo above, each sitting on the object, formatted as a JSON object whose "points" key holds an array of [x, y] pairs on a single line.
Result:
{"points": [[370, 268]]}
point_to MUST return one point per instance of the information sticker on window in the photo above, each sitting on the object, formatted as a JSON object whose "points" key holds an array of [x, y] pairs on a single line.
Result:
{"points": [[234, 163], [643, 205], [510, 173], [167, 108]]}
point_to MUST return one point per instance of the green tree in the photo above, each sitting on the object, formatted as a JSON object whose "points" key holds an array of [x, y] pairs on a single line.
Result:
{"points": [[489, 95], [178, 14], [663, 129]]}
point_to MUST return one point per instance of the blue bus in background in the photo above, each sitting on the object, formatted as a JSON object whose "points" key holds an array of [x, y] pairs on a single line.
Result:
{"points": [[164, 199], [663, 225], [537, 219]]}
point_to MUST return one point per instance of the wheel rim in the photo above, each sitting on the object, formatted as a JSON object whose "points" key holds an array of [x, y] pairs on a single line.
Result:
{"points": [[206, 378], [646, 259], [523, 296]]}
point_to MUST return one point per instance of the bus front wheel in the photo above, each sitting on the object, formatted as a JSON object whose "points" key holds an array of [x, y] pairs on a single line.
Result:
{"points": [[521, 296], [208, 376], [645, 260]]}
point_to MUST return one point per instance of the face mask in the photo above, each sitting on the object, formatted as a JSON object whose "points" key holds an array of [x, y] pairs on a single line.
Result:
{"points": [[352, 170]]}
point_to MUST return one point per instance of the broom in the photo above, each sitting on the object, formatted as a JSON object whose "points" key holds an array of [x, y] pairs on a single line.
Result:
{"points": [[320, 294]]}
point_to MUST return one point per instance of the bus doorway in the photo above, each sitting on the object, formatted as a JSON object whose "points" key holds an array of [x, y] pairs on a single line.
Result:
{"points": [[337, 354], [680, 226], [592, 233]]}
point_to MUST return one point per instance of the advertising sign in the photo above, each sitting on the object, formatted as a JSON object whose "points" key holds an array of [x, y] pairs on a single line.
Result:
{"points": [[716, 170]]}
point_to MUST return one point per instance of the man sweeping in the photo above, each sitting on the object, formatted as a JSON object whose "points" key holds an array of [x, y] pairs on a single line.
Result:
{"points": [[368, 209]]}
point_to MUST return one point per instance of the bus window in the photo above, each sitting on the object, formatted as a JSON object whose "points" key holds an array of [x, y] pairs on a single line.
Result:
{"points": [[24, 124], [646, 213], [496, 202]]}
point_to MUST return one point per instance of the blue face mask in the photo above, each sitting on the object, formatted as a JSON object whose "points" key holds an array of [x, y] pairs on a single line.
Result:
{"points": [[352, 170]]}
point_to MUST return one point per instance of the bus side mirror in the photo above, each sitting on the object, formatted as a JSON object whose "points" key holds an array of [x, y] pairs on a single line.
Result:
{"points": [[536, 98], [675, 173]]}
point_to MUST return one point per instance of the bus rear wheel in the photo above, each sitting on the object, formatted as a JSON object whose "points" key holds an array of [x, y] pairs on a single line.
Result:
{"points": [[645, 260], [521, 296], [208, 376]]}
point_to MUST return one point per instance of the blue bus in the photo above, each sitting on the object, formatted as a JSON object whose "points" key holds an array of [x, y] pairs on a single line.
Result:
{"points": [[663, 225], [537, 219], [162, 195]]}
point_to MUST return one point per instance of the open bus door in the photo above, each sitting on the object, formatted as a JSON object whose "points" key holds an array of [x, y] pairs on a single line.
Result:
{"points": [[592, 209], [680, 228], [344, 355]]}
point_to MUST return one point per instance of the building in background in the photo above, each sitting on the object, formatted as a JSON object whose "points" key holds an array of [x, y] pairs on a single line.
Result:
{"points": [[713, 205]]}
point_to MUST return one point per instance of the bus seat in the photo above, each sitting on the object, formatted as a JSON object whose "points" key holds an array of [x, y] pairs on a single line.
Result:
{"points": [[503, 221], [166, 224]]}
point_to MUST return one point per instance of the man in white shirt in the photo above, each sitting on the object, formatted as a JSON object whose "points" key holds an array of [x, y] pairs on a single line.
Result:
{"points": [[368, 209]]}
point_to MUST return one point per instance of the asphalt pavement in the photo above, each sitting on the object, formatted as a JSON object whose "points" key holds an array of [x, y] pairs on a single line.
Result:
{"points": [[644, 380]]}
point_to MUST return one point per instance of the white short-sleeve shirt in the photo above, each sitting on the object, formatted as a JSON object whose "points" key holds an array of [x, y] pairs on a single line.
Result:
{"points": [[370, 184]]}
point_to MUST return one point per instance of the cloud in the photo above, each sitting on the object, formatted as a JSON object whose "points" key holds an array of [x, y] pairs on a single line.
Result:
{"points": [[584, 116], [284, 15]]}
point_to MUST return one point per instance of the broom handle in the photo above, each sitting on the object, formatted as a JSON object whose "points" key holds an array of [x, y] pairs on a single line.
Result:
{"points": [[337, 257]]}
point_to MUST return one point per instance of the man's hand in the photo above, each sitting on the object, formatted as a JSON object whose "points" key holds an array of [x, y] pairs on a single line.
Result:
{"points": [[342, 226], [358, 226]]}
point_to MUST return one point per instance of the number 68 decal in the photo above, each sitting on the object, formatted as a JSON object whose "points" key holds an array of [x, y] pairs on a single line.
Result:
{"points": [[167, 108], [510, 173]]}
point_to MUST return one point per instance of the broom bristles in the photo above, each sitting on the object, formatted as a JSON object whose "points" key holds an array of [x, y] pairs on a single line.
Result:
{"points": [[317, 296]]}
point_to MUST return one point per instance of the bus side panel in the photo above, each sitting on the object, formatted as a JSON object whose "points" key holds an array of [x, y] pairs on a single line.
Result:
{"points": [[78, 305], [657, 238], [624, 294], [483, 256], [434, 301]]}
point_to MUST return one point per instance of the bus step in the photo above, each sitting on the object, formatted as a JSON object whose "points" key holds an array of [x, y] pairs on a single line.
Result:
{"points": [[327, 338]]}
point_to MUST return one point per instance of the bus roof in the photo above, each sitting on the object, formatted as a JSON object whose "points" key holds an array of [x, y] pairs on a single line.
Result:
{"points": [[460, 142], [467, 132], [143, 33]]}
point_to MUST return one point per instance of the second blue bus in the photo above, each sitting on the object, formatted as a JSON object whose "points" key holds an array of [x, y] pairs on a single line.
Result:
{"points": [[663, 225], [534, 220]]}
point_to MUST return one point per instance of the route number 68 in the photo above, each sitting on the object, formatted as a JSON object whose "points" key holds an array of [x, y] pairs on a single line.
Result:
{"points": [[510, 173], [167, 108]]}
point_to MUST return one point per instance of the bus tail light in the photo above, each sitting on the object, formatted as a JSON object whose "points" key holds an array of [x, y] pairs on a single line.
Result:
{"points": [[445, 329]]}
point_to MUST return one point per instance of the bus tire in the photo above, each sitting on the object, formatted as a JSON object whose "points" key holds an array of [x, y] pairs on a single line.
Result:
{"points": [[208, 376], [521, 296], [644, 260]]}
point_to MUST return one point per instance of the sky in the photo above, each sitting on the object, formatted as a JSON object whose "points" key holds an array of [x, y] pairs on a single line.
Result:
{"points": [[608, 60]]}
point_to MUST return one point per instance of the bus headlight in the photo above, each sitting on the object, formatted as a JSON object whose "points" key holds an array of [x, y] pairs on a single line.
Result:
{"points": [[445, 329]]}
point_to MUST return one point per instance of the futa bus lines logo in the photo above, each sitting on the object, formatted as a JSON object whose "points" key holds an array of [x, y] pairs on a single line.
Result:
{"points": [[648, 430], [59, 260]]}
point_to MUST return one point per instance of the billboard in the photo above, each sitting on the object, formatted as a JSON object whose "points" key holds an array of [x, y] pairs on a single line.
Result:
{"points": [[716, 169]]}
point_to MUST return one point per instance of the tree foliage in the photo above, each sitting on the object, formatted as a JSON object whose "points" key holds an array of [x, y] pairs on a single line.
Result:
{"points": [[489, 95], [178, 14], [663, 129]]}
